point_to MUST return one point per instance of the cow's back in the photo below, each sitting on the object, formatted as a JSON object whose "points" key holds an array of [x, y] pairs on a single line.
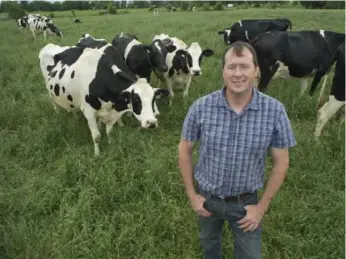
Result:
{"points": [[58, 66]]}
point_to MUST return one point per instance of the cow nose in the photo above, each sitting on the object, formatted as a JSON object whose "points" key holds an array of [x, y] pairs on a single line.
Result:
{"points": [[151, 124], [164, 68], [196, 72]]}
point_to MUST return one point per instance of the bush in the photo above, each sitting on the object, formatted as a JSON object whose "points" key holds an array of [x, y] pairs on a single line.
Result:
{"points": [[15, 12], [218, 6], [111, 9], [51, 15], [335, 5], [206, 6], [313, 4], [184, 6]]}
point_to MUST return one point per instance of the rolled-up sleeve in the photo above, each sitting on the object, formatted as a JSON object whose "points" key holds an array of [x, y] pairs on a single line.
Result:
{"points": [[191, 125], [283, 136]]}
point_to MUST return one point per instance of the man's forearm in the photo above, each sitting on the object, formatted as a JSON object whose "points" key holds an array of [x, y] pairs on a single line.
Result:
{"points": [[186, 169], [276, 178]]}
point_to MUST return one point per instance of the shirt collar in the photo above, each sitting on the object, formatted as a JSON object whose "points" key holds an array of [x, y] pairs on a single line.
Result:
{"points": [[253, 104]]}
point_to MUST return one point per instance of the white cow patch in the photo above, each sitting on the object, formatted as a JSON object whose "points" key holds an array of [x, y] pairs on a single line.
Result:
{"points": [[129, 46], [322, 33], [241, 25], [326, 112]]}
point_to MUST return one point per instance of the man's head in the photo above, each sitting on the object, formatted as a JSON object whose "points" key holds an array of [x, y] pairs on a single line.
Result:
{"points": [[240, 67]]}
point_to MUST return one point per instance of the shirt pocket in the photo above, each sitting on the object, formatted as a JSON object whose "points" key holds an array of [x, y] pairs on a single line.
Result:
{"points": [[216, 143], [258, 143]]}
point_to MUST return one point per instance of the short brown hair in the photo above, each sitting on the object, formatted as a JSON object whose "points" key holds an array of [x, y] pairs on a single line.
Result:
{"points": [[238, 48]]}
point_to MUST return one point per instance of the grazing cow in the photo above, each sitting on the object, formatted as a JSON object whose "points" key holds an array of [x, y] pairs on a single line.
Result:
{"points": [[22, 22], [337, 94], [77, 21], [301, 54], [143, 58], [88, 41], [42, 24], [246, 30], [182, 64], [98, 83], [156, 12]]}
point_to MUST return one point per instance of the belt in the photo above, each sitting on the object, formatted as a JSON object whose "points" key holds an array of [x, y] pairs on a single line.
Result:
{"points": [[239, 197]]}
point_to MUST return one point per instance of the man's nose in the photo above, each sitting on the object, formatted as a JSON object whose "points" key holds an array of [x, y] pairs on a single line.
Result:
{"points": [[237, 71]]}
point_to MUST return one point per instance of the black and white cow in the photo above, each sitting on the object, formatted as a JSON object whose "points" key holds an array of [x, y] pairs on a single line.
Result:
{"points": [[245, 30], [42, 24], [98, 83], [301, 54], [183, 64], [77, 20], [88, 41], [337, 94], [142, 59]]}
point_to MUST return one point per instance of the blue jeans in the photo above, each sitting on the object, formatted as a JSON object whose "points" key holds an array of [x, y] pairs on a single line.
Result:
{"points": [[248, 245]]}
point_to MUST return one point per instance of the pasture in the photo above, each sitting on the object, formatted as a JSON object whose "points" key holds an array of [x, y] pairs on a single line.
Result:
{"points": [[59, 201]]}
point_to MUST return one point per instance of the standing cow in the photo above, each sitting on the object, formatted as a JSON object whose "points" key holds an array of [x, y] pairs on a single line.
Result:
{"points": [[98, 83], [42, 24], [337, 94], [301, 54], [142, 59], [246, 30], [183, 64]]}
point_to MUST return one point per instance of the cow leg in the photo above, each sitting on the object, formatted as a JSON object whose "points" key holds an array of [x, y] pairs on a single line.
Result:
{"points": [[326, 112], [170, 89], [319, 100], [315, 82], [186, 91], [109, 128], [45, 35], [33, 34], [89, 114], [120, 122], [303, 85], [156, 110]]}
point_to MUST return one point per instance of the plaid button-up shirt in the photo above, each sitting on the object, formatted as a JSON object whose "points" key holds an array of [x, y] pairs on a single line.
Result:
{"points": [[233, 147]]}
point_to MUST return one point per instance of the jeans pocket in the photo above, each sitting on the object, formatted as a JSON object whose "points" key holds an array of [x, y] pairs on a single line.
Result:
{"points": [[252, 199]]}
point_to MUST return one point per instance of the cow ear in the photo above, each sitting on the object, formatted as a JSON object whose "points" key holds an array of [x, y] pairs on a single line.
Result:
{"points": [[171, 48], [208, 52], [221, 32], [159, 93], [147, 47], [125, 96]]}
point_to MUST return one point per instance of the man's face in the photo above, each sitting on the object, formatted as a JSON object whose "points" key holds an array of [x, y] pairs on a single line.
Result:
{"points": [[239, 73]]}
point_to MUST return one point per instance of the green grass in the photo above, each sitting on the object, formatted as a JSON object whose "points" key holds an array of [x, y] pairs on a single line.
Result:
{"points": [[58, 201]]}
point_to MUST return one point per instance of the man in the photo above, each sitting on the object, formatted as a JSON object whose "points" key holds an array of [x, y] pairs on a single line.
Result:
{"points": [[235, 126]]}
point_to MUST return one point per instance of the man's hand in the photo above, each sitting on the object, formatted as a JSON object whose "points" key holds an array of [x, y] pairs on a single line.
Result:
{"points": [[252, 219], [197, 205]]}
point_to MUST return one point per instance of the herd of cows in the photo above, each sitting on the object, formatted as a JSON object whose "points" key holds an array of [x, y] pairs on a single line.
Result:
{"points": [[105, 80]]}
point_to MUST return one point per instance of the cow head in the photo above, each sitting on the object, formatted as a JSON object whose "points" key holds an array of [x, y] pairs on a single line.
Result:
{"points": [[195, 55], [226, 35], [141, 99], [158, 50], [54, 30], [89, 41]]}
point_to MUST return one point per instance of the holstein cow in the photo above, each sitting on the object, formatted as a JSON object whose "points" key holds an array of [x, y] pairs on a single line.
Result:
{"points": [[142, 59], [301, 54], [98, 83], [43, 24], [183, 64], [77, 21], [337, 94], [88, 41], [245, 30]]}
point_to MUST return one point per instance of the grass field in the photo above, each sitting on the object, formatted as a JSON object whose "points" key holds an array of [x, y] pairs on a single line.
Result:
{"points": [[58, 201]]}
